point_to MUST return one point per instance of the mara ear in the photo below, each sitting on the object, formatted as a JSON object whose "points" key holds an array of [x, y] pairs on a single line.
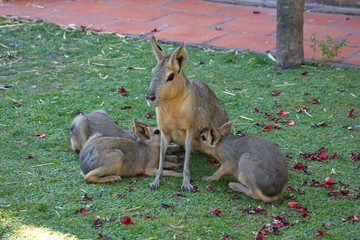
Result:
{"points": [[157, 49], [140, 122], [226, 127], [178, 58], [141, 132], [215, 136]]}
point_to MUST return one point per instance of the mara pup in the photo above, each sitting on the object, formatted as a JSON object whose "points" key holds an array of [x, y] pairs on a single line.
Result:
{"points": [[84, 126], [183, 107], [257, 163], [106, 159]]}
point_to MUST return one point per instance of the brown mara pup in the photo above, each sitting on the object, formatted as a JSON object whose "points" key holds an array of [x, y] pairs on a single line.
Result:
{"points": [[84, 126], [184, 107], [106, 159], [257, 163]]}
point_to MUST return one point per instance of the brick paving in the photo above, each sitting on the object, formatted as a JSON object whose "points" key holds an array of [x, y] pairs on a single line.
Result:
{"points": [[196, 22]]}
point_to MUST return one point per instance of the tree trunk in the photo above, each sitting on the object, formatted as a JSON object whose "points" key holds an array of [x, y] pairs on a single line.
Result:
{"points": [[289, 33]]}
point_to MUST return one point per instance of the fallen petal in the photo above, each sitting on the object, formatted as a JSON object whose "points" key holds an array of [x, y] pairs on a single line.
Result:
{"points": [[275, 92], [126, 220], [305, 73], [82, 210], [267, 127], [40, 135], [216, 212], [164, 205], [210, 188], [281, 112], [148, 115], [290, 122], [350, 114], [320, 232]]}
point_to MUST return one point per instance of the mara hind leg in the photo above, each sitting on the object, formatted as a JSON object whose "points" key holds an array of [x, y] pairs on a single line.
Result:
{"points": [[97, 176], [238, 187], [172, 165], [253, 193], [174, 148], [166, 173], [172, 158]]}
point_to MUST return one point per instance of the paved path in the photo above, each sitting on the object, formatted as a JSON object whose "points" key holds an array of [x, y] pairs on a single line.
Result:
{"points": [[194, 21]]}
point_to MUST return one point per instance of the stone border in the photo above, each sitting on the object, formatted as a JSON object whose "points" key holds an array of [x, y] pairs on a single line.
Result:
{"points": [[351, 7]]}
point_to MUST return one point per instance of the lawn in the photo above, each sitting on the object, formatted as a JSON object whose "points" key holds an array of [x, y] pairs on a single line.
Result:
{"points": [[55, 72]]}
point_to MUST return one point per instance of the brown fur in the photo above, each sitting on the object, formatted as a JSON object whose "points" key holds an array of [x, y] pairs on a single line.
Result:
{"points": [[84, 126], [257, 163], [183, 107], [106, 159]]}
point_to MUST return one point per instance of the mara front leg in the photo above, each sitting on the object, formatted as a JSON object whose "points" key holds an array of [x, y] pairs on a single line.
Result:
{"points": [[165, 139], [224, 168], [186, 186]]}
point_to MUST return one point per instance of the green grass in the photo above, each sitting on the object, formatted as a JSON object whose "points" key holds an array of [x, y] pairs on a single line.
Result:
{"points": [[56, 70]]}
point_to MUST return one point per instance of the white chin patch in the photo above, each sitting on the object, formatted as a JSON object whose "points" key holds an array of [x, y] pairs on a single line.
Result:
{"points": [[150, 103]]}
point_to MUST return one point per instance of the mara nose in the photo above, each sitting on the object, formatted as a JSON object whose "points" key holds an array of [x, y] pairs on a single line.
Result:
{"points": [[151, 97]]}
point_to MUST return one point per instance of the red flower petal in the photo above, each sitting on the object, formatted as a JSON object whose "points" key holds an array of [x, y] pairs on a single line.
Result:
{"points": [[164, 205], [77, 111], [328, 181], [30, 157], [216, 212], [282, 112], [303, 109], [148, 115], [82, 210], [292, 204], [320, 124], [126, 220], [127, 187], [276, 104], [255, 110], [304, 73], [123, 91], [299, 165], [351, 218], [323, 155], [267, 127], [275, 92], [334, 155], [320, 232], [212, 161], [210, 188], [226, 237], [256, 12], [18, 102], [152, 218], [125, 107], [85, 197], [97, 222], [177, 195], [350, 113], [40, 135], [314, 101], [289, 122]]}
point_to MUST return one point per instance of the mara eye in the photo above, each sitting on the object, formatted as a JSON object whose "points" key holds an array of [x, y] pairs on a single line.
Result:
{"points": [[171, 77], [157, 131], [203, 138]]}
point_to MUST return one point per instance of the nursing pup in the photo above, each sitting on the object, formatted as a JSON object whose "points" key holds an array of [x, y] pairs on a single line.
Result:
{"points": [[84, 126], [257, 163], [107, 159]]}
